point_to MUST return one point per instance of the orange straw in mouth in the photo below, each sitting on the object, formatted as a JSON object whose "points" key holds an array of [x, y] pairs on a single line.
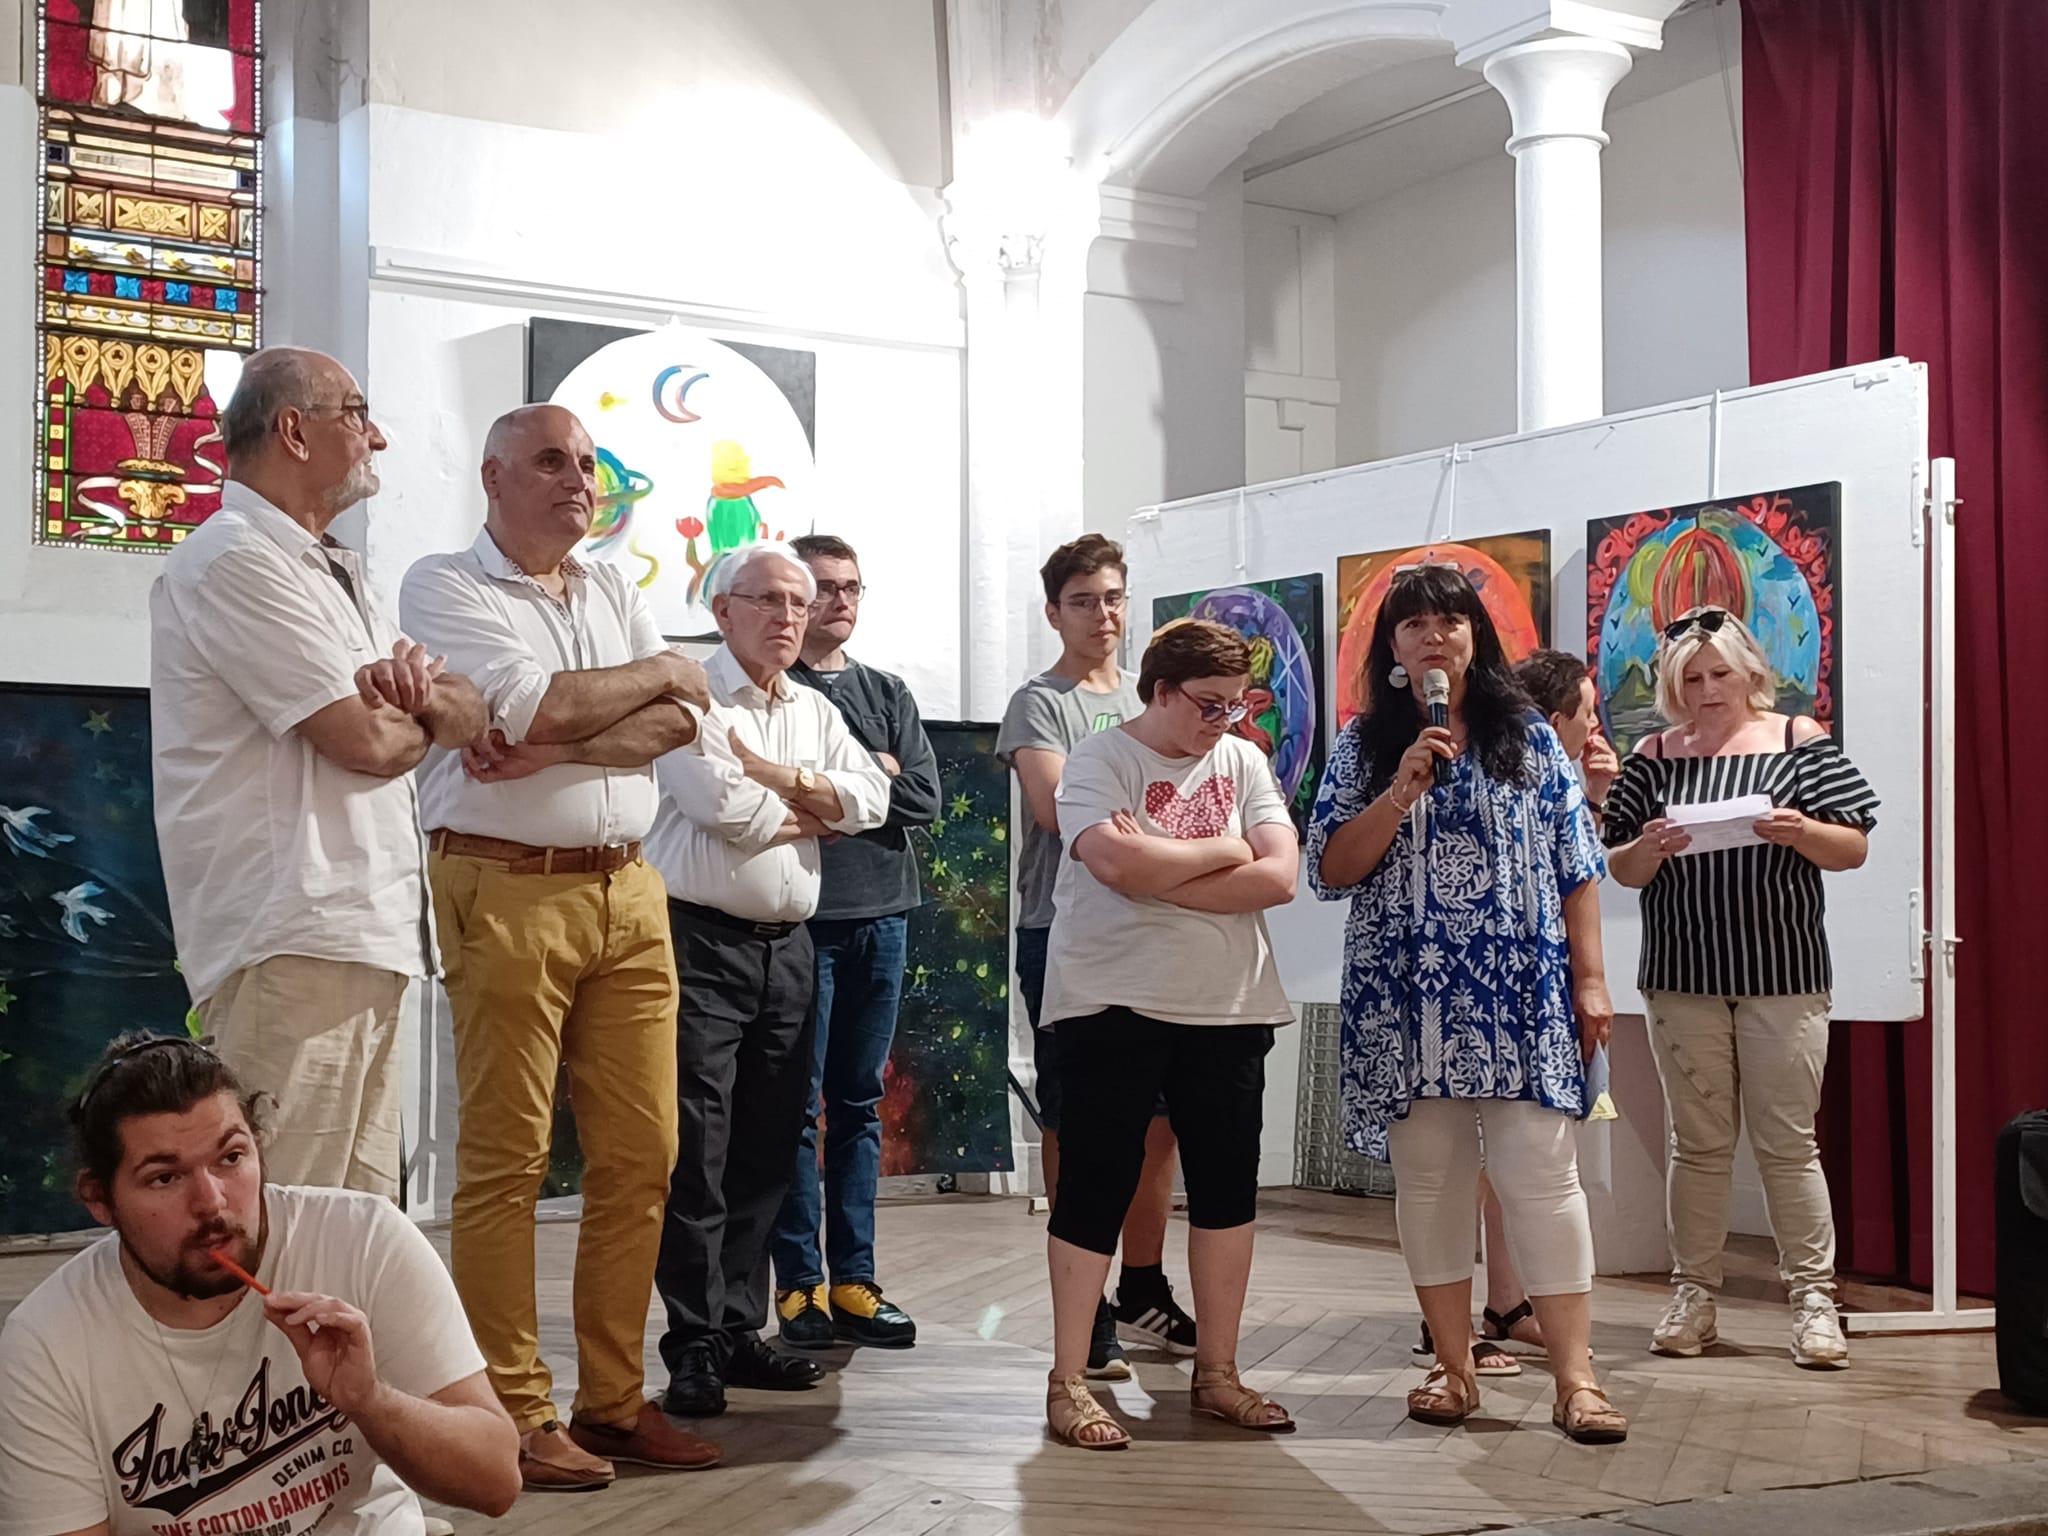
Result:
{"points": [[220, 1257]]}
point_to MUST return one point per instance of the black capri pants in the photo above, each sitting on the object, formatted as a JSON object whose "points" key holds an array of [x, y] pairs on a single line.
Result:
{"points": [[1114, 1066]]}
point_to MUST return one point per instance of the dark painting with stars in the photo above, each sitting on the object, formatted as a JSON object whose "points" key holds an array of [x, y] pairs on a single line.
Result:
{"points": [[85, 932], [945, 1096], [945, 1092]]}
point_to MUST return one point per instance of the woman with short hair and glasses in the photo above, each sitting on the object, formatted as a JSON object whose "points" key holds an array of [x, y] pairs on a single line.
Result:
{"points": [[1161, 980], [1474, 986], [1735, 967]]}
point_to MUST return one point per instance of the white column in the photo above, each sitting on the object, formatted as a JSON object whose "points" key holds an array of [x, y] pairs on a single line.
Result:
{"points": [[1556, 90], [1018, 227]]}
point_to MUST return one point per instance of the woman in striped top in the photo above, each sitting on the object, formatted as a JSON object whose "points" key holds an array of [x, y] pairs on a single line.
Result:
{"points": [[1735, 970]]}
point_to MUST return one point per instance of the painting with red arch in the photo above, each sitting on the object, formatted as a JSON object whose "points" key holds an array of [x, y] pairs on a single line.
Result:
{"points": [[1510, 571], [1773, 559]]}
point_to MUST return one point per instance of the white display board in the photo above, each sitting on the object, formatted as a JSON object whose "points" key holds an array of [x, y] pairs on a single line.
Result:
{"points": [[1865, 428]]}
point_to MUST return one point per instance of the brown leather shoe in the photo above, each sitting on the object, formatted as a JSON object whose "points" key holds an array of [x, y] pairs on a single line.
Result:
{"points": [[550, 1461], [649, 1440]]}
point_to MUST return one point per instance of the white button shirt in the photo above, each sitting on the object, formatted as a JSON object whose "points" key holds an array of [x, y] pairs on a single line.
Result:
{"points": [[509, 635], [711, 836], [269, 848]]}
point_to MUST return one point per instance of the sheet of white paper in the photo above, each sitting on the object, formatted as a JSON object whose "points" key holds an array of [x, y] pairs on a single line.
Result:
{"points": [[1720, 824]]}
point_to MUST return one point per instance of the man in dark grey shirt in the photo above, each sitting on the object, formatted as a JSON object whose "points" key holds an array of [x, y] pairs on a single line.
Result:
{"points": [[868, 886], [1085, 692]]}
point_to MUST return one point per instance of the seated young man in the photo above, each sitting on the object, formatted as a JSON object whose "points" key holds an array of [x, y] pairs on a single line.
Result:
{"points": [[145, 1389]]}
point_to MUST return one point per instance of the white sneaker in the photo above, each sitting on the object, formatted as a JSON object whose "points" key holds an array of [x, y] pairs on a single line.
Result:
{"points": [[1688, 1324], [436, 1526], [1817, 1341]]}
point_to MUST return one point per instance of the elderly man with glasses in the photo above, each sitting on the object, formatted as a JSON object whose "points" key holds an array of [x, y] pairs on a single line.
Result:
{"points": [[287, 713], [744, 806]]}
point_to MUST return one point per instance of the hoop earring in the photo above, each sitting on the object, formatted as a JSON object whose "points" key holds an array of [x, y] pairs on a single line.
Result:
{"points": [[1398, 678]]}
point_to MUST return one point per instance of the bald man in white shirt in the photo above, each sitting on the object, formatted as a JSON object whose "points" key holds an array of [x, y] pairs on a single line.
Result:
{"points": [[772, 770], [556, 936]]}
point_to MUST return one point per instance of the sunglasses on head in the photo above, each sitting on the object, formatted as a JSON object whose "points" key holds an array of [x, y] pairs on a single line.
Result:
{"points": [[1707, 621]]}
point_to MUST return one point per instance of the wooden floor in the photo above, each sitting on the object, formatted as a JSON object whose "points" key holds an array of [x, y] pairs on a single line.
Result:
{"points": [[947, 1439]]}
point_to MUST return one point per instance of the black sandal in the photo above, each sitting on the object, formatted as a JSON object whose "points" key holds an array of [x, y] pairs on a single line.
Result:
{"points": [[1488, 1358], [1499, 1328]]}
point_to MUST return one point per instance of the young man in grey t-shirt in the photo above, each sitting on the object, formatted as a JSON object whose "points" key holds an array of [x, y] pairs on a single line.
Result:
{"points": [[1085, 692]]}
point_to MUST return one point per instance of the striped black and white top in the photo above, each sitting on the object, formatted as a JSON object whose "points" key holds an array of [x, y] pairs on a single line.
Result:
{"points": [[1740, 922]]}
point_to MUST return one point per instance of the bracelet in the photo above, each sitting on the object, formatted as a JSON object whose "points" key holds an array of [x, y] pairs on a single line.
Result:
{"points": [[1397, 805]]}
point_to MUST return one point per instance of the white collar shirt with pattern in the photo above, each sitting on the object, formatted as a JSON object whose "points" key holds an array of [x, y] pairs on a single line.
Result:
{"points": [[713, 840]]}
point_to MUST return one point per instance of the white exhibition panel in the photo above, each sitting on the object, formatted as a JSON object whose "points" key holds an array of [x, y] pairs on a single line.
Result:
{"points": [[1864, 427]]}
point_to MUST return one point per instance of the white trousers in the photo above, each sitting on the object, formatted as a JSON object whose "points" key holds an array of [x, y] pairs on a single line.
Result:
{"points": [[1532, 1161]]}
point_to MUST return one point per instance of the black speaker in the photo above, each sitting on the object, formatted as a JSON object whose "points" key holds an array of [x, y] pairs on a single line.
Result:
{"points": [[2023, 1261]]}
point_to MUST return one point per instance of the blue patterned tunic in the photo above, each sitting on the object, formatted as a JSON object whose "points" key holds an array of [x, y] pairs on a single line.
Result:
{"points": [[1457, 979]]}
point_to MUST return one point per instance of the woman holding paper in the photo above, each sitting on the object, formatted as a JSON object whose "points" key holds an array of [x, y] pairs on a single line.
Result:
{"points": [[1726, 822], [1473, 988]]}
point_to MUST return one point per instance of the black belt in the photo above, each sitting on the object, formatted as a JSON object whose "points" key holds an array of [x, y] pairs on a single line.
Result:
{"points": [[711, 917]]}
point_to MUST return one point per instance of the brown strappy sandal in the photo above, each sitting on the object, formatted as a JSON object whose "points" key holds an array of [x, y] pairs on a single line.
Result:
{"points": [[1443, 1399], [1071, 1414], [1238, 1404], [1600, 1423]]}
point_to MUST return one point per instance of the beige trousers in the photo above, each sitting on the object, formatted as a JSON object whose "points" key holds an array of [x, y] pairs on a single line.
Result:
{"points": [[320, 1037], [1723, 1060]]}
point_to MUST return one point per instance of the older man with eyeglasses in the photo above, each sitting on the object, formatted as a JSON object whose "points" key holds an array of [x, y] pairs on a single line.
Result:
{"points": [[287, 713], [744, 806]]}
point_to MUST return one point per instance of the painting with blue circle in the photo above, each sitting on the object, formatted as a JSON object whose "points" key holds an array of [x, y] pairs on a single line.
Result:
{"points": [[1283, 623]]}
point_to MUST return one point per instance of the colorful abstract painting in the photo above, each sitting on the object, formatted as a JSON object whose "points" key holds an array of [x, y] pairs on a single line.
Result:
{"points": [[701, 449], [148, 199], [945, 1102], [1283, 621], [1510, 570], [85, 928], [1772, 559], [945, 1093]]}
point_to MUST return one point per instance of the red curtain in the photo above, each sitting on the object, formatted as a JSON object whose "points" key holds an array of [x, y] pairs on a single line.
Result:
{"points": [[1896, 193]]}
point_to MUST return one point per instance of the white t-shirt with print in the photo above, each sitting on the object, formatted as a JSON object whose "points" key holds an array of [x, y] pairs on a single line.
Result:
{"points": [[1138, 952], [97, 1401]]}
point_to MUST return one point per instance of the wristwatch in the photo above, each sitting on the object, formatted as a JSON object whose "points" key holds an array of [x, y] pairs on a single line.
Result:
{"points": [[806, 781]]}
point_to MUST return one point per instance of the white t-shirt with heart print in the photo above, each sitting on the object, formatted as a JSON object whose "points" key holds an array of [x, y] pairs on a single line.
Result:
{"points": [[1138, 952]]}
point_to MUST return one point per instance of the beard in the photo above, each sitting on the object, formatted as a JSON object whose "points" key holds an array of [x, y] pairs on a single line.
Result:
{"points": [[360, 484], [192, 1274]]}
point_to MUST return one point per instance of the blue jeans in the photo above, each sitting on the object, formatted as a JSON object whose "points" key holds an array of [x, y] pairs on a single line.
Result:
{"points": [[860, 982]]}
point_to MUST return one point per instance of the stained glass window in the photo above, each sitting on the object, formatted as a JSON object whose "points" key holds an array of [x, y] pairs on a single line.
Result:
{"points": [[149, 206]]}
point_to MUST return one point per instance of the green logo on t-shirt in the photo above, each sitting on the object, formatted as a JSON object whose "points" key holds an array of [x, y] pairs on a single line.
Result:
{"points": [[1108, 718]]}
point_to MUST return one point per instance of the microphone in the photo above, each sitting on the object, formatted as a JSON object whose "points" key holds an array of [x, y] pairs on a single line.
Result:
{"points": [[1436, 693]]}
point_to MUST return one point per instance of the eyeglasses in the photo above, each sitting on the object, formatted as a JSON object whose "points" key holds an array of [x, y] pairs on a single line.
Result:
{"points": [[1213, 711], [128, 1053], [773, 604], [1092, 602], [1707, 621], [852, 591], [353, 413]]}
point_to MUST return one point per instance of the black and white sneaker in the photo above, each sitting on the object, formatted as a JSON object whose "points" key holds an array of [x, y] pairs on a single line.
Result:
{"points": [[1154, 1318], [1106, 1359]]}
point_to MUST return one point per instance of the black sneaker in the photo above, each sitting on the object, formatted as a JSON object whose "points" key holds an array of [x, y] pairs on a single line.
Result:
{"points": [[1106, 1360], [802, 1319], [862, 1315], [1154, 1318]]}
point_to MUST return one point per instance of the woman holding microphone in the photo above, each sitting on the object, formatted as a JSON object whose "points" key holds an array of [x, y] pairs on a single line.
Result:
{"points": [[1735, 970], [1474, 990]]}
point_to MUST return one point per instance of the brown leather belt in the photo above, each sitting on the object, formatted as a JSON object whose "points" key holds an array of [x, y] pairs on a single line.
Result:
{"points": [[525, 859]]}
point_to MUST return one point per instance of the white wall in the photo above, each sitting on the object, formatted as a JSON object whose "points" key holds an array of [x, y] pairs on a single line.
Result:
{"points": [[1426, 284], [1290, 344], [1163, 381]]}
